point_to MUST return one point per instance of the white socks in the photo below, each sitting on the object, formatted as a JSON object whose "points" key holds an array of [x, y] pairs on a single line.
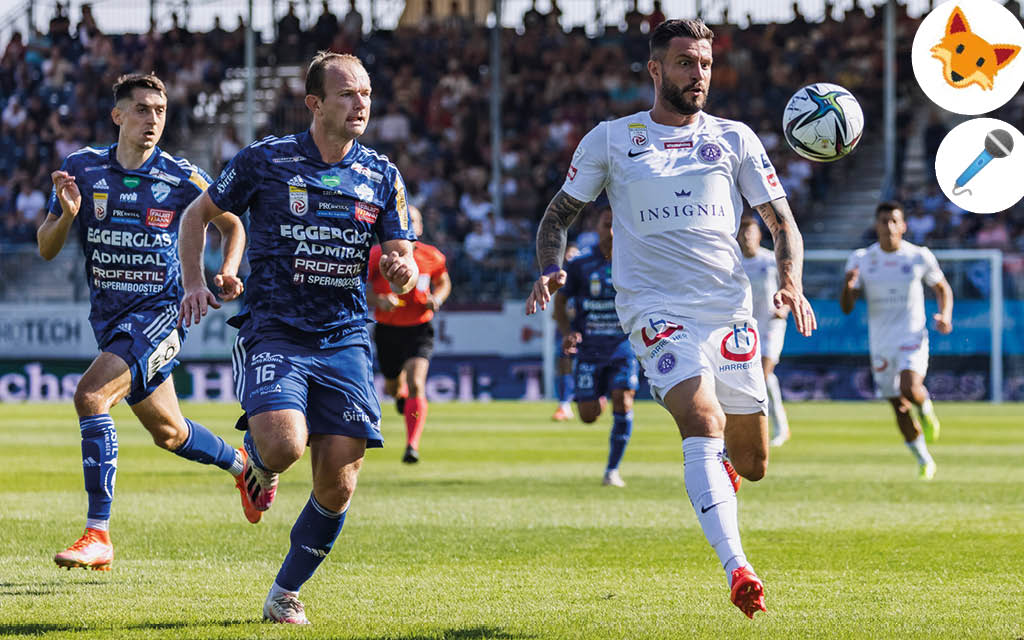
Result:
{"points": [[95, 523], [713, 499], [237, 467], [926, 408], [276, 589], [776, 412], [920, 451]]}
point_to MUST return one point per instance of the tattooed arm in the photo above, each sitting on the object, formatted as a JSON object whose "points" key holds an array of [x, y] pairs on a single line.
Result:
{"points": [[789, 256], [551, 236]]}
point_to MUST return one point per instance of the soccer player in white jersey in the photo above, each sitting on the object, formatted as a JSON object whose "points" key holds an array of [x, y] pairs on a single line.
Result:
{"points": [[759, 264], [890, 273], [675, 178]]}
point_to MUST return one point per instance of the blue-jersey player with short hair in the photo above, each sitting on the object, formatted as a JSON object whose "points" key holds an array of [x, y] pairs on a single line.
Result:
{"points": [[605, 363], [303, 368], [127, 199]]}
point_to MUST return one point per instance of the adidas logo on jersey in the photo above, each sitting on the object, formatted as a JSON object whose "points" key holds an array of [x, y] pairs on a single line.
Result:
{"points": [[297, 181], [125, 326], [102, 184]]}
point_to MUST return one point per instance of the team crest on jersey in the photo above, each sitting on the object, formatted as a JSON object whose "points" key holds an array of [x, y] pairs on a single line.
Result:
{"points": [[160, 191], [298, 196], [638, 134], [595, 284], [364, 192], [709, 152], [99, 205], [740, 344]]}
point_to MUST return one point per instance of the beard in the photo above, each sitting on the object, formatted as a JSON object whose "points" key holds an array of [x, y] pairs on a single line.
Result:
{"points": [[680, 102]]}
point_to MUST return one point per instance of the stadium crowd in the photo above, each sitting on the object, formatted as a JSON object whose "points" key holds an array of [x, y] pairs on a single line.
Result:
{"points": [[431, 117]]}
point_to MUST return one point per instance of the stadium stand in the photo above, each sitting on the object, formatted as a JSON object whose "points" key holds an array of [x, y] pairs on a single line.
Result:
{"points": [[431, 89]]}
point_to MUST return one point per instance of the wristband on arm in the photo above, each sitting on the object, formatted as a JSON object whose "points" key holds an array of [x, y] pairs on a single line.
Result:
{"points": [[551, 270]]}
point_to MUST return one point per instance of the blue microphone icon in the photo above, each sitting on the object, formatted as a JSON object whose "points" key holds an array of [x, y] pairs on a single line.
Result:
{"points": [[998, 144]]}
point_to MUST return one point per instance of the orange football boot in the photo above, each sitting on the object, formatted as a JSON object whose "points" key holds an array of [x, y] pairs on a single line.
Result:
{"points": [[747, 592], [92, 551]]}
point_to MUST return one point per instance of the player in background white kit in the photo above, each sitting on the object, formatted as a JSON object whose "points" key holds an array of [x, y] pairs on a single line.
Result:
{"points": [[676, 179], [759, 264], [890, 273]]}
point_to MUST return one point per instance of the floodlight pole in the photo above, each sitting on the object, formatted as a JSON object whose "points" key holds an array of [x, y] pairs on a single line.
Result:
{"points": [[996, 309], [889, 100], [250, 77], [495, 73]]}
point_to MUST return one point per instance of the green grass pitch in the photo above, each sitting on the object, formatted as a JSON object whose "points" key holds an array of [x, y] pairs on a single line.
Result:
{"points": [[503, 531]]}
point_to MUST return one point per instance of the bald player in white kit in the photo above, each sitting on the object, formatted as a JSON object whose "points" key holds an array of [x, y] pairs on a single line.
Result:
{"points": [[675, 178], [889, 273]]}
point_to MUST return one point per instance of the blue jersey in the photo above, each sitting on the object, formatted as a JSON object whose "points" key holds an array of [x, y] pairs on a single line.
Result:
{"points": [[589, 284], [311, 225], [128, 227]]}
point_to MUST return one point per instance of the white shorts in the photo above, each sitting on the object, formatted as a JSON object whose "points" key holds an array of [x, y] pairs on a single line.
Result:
{"points": [[773, 334], [672, 349], [887, 363]]}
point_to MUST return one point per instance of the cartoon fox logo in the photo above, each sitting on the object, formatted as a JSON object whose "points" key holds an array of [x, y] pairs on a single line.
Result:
{"points": [[967, 58]]}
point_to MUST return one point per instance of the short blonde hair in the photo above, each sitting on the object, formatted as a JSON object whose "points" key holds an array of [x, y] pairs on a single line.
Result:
{"points": [[315, 73]]}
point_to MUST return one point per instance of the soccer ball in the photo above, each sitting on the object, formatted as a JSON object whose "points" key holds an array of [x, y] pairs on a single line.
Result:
{"points": [[823, 122]]}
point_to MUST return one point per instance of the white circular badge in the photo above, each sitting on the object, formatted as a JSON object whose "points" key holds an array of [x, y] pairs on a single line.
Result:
{"points": [[967, 56], [979, 165]]}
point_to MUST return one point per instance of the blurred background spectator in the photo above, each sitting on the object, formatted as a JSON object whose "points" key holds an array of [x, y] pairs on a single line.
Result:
{"points": [[431, 81]]}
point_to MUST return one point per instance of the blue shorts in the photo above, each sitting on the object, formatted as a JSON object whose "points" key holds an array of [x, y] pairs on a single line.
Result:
{"points": [[148, 342], [596, 377], [559, 339], [332, 387]]}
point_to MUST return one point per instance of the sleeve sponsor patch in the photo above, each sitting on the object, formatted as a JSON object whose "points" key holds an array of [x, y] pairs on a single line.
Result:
{"points": [[198, 180], [400, 205]]}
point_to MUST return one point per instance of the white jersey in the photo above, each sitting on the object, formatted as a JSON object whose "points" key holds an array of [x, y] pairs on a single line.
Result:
{"points": [[764, 282], [675, 194], [891, 282]]}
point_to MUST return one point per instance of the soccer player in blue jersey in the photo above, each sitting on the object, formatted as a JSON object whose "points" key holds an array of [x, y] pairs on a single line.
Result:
{"points": [[127, 199], [604, 360], [304, 373]]}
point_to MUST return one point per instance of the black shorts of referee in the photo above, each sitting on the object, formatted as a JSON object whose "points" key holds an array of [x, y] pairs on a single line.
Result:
{"points": [[396, 345]]}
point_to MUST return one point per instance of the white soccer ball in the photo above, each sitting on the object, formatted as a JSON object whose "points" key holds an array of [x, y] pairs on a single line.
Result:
{"points": [[823, 122]]}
